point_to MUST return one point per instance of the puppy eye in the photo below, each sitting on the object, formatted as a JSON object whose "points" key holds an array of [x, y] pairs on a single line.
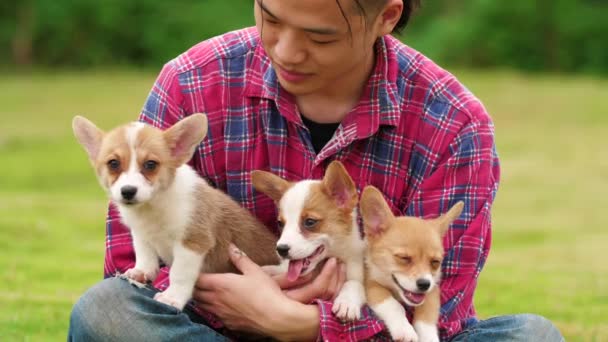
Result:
{"points": [[435, 263], [280, 223], [114, 164], [150, 165], [404, 258], [310, 223]]}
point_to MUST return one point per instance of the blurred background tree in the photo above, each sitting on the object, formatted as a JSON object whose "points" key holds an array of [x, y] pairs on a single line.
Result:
{"points": [[542, 35]]}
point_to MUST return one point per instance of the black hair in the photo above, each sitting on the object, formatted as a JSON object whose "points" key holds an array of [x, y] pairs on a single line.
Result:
{"points": [[369, 8], [366, 6]]}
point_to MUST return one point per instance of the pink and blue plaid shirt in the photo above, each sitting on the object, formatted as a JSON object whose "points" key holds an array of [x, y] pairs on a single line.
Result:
{"points": [[416, 134]]}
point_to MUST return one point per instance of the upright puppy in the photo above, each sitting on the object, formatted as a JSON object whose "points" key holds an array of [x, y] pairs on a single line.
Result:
{"points": [[403, 263], [319, 220], [173, 214]]}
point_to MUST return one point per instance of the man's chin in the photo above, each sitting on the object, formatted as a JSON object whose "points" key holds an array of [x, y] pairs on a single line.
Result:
{"points": [[297, 89]]}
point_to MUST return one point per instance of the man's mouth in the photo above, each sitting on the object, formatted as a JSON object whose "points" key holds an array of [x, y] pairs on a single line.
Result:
{"points": [[292, 75], [297, 267], [415, 298]]}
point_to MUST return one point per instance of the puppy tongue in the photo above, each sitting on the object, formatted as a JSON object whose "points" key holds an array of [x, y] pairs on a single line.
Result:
{"points": [[295, 268], [415, 297]]}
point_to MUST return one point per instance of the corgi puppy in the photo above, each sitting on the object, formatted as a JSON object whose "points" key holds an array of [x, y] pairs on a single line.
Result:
{"points": [[318, 219], [403, 264], [172, 213]]}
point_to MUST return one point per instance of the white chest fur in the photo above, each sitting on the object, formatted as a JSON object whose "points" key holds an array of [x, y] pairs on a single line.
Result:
{"points": [[162, 222]]}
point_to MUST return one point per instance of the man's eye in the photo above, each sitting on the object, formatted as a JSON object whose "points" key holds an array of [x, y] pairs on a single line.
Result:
{"points": [[310, 223], [150, 165], [319, 42], [114, 164]]}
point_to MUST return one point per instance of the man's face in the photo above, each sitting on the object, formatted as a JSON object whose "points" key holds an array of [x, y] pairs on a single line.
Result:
{"points": [[309, 42]]}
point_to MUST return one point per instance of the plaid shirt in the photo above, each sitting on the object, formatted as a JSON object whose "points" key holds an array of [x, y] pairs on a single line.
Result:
{"points": [[416, 134]]}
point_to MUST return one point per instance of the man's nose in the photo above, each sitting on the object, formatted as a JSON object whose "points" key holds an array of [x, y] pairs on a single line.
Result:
{"points": [[289, 49]]}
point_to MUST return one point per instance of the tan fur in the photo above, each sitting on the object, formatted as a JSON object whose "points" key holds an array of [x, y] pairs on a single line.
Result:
{"points": [[375, 292], [406, 246], [335, 221], [113, 146], [429, 311], [221, 221]]}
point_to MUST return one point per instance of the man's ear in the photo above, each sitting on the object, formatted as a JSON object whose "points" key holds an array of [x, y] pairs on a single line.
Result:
{"points": [[376, 214], [340, 186], [88, 135], [388, 17], [270, 184], [184, 136]]}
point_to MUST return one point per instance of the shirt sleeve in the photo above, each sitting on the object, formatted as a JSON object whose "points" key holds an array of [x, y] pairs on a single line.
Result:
{"points": [[367, 328], [468, 171], [162, 109]]}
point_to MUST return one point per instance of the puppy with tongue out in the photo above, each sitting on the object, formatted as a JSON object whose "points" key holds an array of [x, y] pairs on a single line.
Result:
{"points": [[318, 219]]}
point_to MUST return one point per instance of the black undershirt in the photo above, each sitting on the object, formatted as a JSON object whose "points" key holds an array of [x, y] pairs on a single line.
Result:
{"points": [[320, 133]]}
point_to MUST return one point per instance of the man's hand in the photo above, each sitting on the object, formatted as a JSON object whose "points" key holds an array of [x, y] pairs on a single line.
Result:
{"points": [[324, 282], [254, 302]]}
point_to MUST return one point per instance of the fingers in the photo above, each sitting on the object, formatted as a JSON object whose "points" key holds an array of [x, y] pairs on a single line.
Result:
{"points": [[203, 296], [242, 262], [338, 281], [212, 281]]}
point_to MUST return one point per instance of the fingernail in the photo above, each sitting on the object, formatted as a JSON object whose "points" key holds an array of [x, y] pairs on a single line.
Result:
{"points": [[234, 249]]}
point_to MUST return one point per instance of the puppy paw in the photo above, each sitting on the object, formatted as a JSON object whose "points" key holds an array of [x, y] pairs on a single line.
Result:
{"points": [[166, 298], [136, 274], [347, 306], [403, 333], [140, 275]]}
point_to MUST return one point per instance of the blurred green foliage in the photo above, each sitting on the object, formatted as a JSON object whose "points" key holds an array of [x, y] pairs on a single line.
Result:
{"points": [[562, 35], [557, 35]]}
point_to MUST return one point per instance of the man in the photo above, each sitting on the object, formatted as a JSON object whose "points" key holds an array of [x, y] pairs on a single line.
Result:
{"points": [[316, 81]]}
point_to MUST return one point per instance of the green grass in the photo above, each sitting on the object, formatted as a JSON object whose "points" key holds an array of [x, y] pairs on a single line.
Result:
{"points": [[549, 225]]}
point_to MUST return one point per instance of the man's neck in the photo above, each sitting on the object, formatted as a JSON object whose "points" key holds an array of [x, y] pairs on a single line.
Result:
{"points": [[332, 104]]}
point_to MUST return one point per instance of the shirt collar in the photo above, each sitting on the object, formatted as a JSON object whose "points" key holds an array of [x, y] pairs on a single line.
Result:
{"points": [[379, 103]]}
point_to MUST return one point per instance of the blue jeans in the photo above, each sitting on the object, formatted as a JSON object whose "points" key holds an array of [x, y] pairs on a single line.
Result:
{"points": [[522, 327], [114, 310]]}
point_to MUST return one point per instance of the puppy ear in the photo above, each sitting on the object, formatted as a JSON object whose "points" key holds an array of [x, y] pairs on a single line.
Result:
{"points": [[184, 136], [88, 135], [270, 184], [376, 214], [340, 186], [446, 219]]}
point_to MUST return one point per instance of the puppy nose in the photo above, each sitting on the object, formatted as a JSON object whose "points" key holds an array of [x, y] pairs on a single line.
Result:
{"points": [[423, 284], [283, 250], [128, 192]]}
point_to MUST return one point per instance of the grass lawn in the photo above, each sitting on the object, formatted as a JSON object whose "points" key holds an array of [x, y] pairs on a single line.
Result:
{"points": [[549, 225]]}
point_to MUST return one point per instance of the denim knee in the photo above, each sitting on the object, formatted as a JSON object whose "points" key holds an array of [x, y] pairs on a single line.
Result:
{"points": [[538, 328], [520, 327], [93, 315], [115, 310]]}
